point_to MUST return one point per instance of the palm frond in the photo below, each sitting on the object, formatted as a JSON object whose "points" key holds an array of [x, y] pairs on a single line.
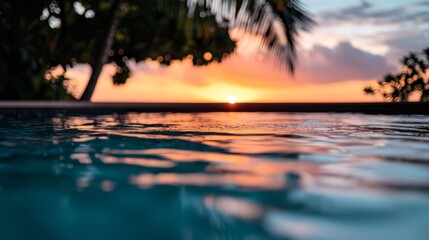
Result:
{"points": [[276, 24]]}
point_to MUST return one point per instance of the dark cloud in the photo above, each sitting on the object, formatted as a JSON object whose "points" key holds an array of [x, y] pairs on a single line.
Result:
{"points": [[411, 42], [424, 3], [403, 44], [342, 63], [367, 12], [349, 12]]}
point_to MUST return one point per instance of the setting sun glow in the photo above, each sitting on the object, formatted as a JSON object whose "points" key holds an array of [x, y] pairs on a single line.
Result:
{"points": [[232, 99]]}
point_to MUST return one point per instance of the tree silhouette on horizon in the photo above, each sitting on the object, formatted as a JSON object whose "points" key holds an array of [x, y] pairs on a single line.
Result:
{"points": [[414, 78]]}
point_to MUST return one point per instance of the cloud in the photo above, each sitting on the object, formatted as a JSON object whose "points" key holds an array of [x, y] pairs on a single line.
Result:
{"points": [[405, 43], [371, 13], [348, 13], [389, 29], [342, 63], [318, 65], [323, 74], [412, 42]]}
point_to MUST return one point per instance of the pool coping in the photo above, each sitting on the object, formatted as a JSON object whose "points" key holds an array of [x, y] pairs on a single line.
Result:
{"points": [[106, 107]]}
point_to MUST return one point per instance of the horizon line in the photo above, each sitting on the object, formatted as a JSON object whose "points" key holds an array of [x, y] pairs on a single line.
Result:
{"points": [[124, 107]]}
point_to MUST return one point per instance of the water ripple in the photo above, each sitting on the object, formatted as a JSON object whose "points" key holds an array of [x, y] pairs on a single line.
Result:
{"points": [[216, 175]]}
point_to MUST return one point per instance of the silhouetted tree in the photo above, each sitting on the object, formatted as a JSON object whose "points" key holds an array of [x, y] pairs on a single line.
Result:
{"points": [[414, 78], [276, 22], [63, 33], [36, 36], [27, 48]]}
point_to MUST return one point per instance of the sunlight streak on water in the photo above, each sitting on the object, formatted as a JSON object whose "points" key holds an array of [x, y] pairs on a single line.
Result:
{"points": [[215, 175]]}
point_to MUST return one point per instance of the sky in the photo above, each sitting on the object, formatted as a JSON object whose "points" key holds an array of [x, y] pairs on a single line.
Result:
{"points": [[353, 44]]}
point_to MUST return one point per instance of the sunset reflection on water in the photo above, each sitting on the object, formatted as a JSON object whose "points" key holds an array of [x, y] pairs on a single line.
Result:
{"points": [[218, 175]]}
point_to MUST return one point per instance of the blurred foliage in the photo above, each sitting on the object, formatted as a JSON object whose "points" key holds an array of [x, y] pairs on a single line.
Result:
{"points": [[276, 24], [36, 36], [27, 51], [414, 78]]}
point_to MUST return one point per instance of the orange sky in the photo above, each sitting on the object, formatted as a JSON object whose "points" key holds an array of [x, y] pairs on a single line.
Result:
{"points": [[245, 78], [354, 44]]}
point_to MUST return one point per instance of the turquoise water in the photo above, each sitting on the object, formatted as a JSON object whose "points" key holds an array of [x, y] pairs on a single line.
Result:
{"points": [[215, 176]]}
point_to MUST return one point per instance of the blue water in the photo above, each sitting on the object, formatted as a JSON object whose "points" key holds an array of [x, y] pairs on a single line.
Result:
{"points": [[215, 176]]}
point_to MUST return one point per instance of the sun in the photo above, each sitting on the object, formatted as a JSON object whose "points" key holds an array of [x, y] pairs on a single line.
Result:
{"points": [[231, 99]]}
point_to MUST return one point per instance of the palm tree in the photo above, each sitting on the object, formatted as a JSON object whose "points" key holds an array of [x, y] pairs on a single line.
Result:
{"points": [[110, 29], [275, 23]]}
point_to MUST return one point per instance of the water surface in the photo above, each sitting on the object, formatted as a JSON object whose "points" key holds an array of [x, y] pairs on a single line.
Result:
{"points": [[215, 176]]}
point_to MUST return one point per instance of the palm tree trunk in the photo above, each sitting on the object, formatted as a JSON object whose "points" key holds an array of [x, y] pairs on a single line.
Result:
{"points": [[103, 54]]}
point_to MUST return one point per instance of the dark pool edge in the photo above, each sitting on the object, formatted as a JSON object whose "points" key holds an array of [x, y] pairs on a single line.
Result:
{"points": [[107, 108]]}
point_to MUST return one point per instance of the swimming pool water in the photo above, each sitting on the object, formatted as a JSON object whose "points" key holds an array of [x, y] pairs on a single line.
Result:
{"points": [[215, 176]]}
